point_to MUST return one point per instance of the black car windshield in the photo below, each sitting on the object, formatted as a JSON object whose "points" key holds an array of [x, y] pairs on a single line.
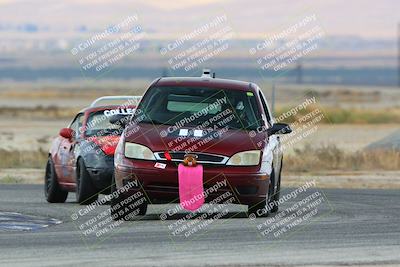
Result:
{"points": [[98, 124], [205, 107]]}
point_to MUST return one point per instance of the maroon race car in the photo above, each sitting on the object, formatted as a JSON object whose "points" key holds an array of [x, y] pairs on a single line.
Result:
{"points": [[81, 158], [226, 124]]}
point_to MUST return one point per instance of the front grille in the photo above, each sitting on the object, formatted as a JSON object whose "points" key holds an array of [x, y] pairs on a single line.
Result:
{"points": [[205, 158]]}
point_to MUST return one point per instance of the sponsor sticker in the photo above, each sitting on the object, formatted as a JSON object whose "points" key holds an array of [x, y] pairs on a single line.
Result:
{"points": [[198, 133], [160, 165], [122, 111], [183, 132]]}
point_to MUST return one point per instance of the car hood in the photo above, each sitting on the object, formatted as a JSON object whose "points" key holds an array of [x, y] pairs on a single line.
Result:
{"points": [[222, 141]]}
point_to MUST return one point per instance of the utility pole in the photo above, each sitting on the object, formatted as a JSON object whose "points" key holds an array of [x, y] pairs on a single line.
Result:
{"points": [[398, 55], [299, 72], [273, 98]]}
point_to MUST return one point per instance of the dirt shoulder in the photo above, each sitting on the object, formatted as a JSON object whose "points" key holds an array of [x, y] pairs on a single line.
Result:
{"points": [[362, 179]]}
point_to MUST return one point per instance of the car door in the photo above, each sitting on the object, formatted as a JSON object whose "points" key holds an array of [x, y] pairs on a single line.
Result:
{"points": [[66, 152], [273, 141]]}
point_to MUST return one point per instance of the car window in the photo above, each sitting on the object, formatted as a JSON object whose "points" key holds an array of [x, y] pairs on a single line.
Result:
{"points": [[98, 124], [265, 107], [76, 124], [180, 103], [192, 106]]}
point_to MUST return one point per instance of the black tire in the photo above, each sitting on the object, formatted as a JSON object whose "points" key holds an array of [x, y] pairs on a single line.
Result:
{"points": [[260, 209], [275, 197], [257, 209], [120, 210], [52, 189], [86, 192]]}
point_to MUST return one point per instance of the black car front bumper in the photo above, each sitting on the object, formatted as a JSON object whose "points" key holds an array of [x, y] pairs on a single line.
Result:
{"points": [[101, 171]]}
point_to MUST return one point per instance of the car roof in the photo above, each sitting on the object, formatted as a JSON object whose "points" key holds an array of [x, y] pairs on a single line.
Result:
{"points": [[204, 82]]}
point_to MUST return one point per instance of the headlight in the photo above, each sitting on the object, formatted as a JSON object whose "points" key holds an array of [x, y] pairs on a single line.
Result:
{"points": [[118, 156], [246, 158], [136, 151]]}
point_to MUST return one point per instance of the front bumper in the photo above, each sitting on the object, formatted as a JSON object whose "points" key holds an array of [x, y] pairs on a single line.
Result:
{"points": [[101, 174], [161, 185], [101, 178]]}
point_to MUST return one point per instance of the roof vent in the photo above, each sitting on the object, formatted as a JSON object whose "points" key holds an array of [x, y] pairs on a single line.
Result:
{"points": [[207, 74]]}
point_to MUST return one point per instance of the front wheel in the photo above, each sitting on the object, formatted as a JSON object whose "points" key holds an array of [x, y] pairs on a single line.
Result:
{"points": [[123, 207], [52, 190], [261, 209], [274, 199], [86, 192]]}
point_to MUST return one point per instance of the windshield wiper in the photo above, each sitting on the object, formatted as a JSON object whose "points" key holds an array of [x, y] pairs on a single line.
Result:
{"points": [[156, 122], [232, 127]]}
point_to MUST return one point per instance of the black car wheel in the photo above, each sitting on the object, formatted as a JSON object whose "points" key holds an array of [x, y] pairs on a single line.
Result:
{"points": [[52, 190], [86, 192], [123, 210], [275, 197], [260, 209]]}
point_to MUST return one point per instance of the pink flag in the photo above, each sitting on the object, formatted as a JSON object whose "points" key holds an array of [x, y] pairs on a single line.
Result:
{"points": [[191, 192]]}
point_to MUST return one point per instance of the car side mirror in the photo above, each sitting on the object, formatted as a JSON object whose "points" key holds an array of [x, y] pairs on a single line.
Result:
{"points": [[119, 119], [67, 133], [279, 128]]}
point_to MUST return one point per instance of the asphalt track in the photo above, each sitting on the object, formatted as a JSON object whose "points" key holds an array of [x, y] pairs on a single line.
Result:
{"points": [[352, 227]]}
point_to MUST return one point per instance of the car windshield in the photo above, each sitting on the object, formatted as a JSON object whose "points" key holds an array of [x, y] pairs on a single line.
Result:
{"points": [[98, 124], [206, 107]]}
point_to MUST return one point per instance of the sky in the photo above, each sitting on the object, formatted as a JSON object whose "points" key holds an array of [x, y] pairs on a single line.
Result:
{"points": [[248, 18]]}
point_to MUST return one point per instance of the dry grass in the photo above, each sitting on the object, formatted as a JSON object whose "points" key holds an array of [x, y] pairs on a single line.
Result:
{"points": [[307, 159], [328, 158], [23, 159], [348, 95], [337, 115], [39, 112], [331, 115], [8, 179]]}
